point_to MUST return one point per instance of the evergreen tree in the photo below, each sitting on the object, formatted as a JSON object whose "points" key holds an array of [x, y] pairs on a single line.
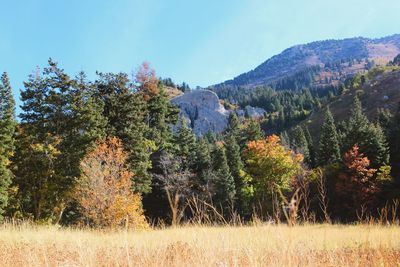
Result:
{"points": [[126, 113], [378, 147], [204, 168], [285, 139], [185, 143], [36, 177], [161, 114], [233, 127], [328, 151], [251, 133], [300, 144], [311, 148], [235, 165], [7, 129], [224, 182], [356, 127], [60, 120], [369, 137]]}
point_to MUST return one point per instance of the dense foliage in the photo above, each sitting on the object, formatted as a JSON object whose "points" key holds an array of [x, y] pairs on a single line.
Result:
{"points": [[108, 151]]}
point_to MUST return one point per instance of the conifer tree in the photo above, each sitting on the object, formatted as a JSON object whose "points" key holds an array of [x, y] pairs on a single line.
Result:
{"points": [[311, 148], [285, 139], [185, 142], [203, 164], [161, 115], [7, 130], [37, 178], [59, 123], [300, 144], [233, 127], [251, 132], [369, 137], [328, 151], [224, 182], [126, 113]]}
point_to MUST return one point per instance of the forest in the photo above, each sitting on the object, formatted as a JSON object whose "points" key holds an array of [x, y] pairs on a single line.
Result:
{"points": [[113, 152]]}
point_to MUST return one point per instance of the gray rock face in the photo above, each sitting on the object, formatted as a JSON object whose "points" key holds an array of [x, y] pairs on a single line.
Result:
{"points": [[202, 111], [254, 112]]}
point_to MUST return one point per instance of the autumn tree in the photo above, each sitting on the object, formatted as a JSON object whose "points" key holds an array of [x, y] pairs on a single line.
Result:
{"points": [[147, 81], [357, 184], [104, 189], [271, 166]]}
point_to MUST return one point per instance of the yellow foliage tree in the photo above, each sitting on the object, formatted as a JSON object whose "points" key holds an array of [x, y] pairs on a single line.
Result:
{"points": [[104, 190], [147, 80], [271, 167]]}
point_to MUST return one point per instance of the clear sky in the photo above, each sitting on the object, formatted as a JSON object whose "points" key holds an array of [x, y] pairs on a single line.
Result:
{"points": [[201, 42]]}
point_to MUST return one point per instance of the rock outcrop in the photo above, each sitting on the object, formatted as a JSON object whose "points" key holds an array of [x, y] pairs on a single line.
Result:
{"points": [[202, 111]]}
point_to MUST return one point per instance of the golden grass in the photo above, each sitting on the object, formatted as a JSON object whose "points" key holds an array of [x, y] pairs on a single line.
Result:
{"points": [[268, 245]]}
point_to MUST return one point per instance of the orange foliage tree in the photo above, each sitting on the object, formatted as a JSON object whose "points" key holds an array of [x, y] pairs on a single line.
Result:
{"points": [[147, 81], [357, 184], [271, 166], [104, 189]]}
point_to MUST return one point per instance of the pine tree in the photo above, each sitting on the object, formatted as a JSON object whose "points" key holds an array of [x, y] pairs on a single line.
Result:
{"points": [[59, 124], [235, 165], [204, 168], [251, 133], [161, 115], [36, 176], [378, 148], [7, 130], [224, 182], [233, 127], [300, 144], [328, 151], [356, 128], [126, 113], [185, 143], [311, 148], [369, 137], [285, 139]]}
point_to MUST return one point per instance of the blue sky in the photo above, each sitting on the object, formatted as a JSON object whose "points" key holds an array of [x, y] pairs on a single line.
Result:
{"points": [[200, 42]]}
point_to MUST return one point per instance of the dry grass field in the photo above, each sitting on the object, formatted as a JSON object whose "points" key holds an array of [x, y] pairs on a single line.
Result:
{"points": [[264, 245]]}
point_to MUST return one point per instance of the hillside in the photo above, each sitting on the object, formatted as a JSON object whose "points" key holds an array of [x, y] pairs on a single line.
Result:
{"points": [[319, 64], [381, 92]]}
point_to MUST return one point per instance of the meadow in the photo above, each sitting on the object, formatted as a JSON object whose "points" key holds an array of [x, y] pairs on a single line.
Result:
{"points": [[257, 245]]}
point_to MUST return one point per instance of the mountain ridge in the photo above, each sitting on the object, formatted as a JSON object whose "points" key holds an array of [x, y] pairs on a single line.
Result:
{"points": [[337, 59]]}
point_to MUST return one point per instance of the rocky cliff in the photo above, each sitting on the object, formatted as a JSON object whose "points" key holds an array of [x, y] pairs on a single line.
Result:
{"points": [[202, 111]]}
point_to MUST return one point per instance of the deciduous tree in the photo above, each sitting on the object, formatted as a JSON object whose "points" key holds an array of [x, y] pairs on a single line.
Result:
{"points": [[104, 188]]}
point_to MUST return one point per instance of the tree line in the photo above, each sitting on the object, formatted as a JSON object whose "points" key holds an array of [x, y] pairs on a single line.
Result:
{"points": [[114, 151]]}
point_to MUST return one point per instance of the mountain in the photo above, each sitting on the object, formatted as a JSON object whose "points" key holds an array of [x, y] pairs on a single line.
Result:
{"points": [[318, 64], [381, 92]]}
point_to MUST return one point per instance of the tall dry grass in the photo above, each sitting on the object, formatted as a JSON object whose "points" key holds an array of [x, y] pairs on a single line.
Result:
{"points": [[262, 245]]}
